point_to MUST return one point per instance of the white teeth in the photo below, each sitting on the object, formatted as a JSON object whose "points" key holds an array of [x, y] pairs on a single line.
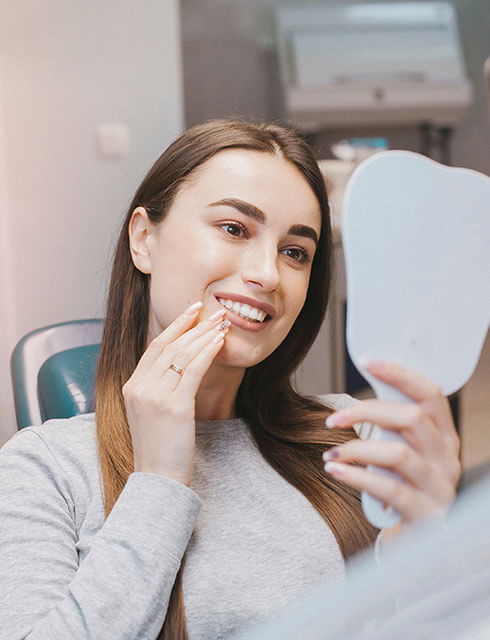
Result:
{"points": [[243, 310]]}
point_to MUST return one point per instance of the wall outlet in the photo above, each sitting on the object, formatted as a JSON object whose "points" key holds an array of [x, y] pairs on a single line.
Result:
{"points": [[113, 140]]}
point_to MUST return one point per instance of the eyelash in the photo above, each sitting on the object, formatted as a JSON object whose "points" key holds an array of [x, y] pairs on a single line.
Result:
{"points": [[304, 254], [237, 225]]}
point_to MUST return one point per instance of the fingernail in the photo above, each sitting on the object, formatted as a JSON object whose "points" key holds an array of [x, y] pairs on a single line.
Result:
{"points": [[333, 452], [364, 362], [190, 311], [217, 314], [219, 336], [337, 419], [376, 365], [335, 468], [223, 325]]}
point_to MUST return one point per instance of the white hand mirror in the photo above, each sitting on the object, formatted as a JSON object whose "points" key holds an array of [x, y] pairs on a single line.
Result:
{"points": [[416, 237]]}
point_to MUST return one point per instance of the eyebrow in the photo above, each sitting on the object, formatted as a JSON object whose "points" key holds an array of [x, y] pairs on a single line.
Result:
{"points": [[255, 213]]}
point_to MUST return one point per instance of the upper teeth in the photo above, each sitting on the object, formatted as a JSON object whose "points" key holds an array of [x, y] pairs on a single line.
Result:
{"points": [[243, 310]]}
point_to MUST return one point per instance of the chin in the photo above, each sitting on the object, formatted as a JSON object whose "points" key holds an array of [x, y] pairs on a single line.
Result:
{"points": [[231, 356]]}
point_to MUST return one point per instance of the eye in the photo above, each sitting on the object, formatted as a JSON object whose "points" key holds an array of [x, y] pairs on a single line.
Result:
{"points": [[234, 229], [297, 254]]}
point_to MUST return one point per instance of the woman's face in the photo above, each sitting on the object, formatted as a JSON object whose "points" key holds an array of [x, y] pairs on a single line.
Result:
{"points": [[241, 233]]}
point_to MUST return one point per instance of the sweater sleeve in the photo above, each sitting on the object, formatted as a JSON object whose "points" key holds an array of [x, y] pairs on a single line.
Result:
{"points": [[121, 589]]}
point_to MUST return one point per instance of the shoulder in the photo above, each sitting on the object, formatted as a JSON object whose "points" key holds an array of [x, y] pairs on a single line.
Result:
{"points": [[64, 446], [338, 401], [58, 435]]}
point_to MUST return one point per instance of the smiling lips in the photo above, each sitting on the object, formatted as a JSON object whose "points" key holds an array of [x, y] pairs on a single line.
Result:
{"points": [[244, 313], [243, 310]]}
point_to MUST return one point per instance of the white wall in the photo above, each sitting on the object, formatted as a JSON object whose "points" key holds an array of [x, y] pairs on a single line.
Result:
{"points": [[65, 68]]}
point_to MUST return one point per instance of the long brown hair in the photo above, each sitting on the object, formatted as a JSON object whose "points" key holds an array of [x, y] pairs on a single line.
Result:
{"points": [[289, 428]]}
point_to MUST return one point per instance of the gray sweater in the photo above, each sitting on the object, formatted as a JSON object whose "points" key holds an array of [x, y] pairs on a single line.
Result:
{"points": [[252, 542]]}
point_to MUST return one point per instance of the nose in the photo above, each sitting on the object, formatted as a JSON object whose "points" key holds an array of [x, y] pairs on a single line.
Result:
{"points": [[261, 268]]}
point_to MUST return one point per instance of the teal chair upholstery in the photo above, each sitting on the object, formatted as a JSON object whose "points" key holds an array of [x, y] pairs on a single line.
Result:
{"points": [[66, 382], [53, 371]]}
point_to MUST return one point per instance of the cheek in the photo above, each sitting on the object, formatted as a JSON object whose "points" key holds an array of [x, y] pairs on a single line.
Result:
{"points": [[212, 261], [184, 276], [297, 295]]}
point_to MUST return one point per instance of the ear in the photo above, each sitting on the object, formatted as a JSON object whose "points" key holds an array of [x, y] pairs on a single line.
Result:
{"points": [[139, 230]]}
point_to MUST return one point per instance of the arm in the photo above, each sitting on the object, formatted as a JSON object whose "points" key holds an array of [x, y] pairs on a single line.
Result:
{"points": [[122, 587]]}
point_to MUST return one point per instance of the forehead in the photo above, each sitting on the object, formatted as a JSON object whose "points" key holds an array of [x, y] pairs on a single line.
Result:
{"points": [[268, 181]]}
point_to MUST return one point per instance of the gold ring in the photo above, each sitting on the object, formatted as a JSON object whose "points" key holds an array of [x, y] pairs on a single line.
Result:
{"points": [[177, 369]]}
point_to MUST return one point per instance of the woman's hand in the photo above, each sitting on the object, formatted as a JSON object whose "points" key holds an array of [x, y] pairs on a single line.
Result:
{"points": [[160, 398], [427, 459]]}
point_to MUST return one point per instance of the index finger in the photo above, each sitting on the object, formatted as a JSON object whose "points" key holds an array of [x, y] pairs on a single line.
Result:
{"points": [[175, 329], [409, 382], [422, 390]]}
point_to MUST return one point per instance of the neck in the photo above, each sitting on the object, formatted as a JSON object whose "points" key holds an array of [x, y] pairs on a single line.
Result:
{"points": [[215, 399]]}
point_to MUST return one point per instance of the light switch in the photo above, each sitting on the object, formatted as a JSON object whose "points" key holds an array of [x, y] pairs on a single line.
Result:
{"points": [[113, 140]]}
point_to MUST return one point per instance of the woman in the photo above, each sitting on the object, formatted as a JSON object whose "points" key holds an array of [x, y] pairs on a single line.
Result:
{"points": [[202, 482]]}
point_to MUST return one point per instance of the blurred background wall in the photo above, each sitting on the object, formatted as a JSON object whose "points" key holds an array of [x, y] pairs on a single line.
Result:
{"points": [[231, 67], [66, 68]]}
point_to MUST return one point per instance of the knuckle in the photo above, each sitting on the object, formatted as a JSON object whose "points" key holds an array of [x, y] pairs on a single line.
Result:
{"points": [[169, 349], [402, 453], [176, 410], [457, 470], [159, 341], [447, 494], [140, 397], [395, 493], [451, 493], [456, 445], [417, 414], [435, 390], [128, 389], [137, 394]]}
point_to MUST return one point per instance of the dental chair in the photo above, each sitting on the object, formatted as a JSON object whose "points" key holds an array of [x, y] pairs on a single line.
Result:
{"points": [[53, 371]]}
